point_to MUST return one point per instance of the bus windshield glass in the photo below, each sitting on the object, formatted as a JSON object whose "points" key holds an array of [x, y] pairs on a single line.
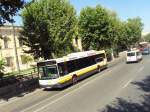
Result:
{"points": [[48, 72], [131, 54]]}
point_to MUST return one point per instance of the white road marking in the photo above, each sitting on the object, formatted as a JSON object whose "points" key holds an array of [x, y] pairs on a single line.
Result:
{"points": [[56, 99], [24, 110], [132, 78], [39, 110], [3, 103], [127, 83], [27, 109]]}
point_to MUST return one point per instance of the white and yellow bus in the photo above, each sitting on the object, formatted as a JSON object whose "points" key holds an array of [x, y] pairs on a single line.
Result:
{"points": [[57, 73]]}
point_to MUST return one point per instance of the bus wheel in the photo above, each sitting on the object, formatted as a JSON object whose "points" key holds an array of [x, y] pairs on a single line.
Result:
{"points": [[74, 79], [98, 68]]}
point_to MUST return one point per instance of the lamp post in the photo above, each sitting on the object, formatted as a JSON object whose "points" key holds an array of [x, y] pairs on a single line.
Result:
{"points": [[15, 49], [1, 51], [0, 47]]}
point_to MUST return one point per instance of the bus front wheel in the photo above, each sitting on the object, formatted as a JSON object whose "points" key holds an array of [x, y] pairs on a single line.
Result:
{"points": [[98, 68], [74, 79]]}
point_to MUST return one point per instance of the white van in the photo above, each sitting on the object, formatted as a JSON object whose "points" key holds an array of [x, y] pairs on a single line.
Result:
{"points": [[133, 56]]}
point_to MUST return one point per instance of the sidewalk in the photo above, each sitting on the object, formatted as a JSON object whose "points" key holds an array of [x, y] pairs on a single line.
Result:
{"points": [[6, 98], [121, 58]]}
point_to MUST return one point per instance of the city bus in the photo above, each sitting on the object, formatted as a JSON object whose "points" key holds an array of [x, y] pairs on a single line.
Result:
{"points": [[60, 72], [144, 47]]}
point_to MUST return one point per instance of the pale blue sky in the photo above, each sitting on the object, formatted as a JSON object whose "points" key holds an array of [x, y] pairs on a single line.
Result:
{"points": [[124, 8]]}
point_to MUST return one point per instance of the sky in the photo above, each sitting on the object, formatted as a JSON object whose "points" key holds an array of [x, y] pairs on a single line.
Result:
{"points": [[124, 8]]}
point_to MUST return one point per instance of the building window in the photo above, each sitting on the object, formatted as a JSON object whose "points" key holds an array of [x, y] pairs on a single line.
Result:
{"points": [[9, 61], [20, 41], [6, 40]]}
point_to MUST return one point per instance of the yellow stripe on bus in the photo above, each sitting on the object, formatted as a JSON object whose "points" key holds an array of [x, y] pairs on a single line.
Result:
{"points": [[86, 70], [65, 79], [78, 73]]}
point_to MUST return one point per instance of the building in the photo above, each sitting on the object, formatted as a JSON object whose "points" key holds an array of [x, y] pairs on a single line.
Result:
{"points": [[14, 57]]}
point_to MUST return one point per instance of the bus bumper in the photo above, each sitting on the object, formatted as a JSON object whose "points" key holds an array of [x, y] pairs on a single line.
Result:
{"points": [[49, 84]]}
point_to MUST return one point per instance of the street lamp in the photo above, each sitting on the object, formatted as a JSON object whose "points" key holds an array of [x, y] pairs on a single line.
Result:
{"points": [[0, 51], [15, 48]]}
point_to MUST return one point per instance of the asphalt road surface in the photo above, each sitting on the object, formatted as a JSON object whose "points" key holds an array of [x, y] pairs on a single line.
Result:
{"points": [[102, 92]]}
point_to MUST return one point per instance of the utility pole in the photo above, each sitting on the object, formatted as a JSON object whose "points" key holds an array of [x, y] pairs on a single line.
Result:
{"points": [[1, 52], [0, 47], [15, 48]]}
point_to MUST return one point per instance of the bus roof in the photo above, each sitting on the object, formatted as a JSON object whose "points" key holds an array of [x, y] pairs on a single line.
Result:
{"points": [[135, 50], [76, 55], [143, 43]]}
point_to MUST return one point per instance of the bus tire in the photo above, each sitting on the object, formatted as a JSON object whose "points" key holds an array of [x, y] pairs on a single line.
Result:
{"points": [[98, 68], [74, 79], [106, 66]]}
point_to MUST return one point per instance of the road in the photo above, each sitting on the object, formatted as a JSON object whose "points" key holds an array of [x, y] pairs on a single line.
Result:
{"points": [[94, 94]]}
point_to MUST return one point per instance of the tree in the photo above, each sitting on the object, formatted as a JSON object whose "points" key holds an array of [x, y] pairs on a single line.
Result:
{"points": [[122, 39], [147, 37], [93, 28], [133, 31], [2, 66], [129, 32], [48, 28], [9, 8], [26, 59], [0, 43], [114, 31], [101, 28]]}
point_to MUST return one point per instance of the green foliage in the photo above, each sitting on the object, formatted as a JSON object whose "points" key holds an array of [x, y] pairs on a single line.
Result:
{"points": [[114, 31], [26, 59], [48, 28], [94, 28], [2, 66], [24, 72], [147, 37], [9, 8], [100, 28], [134, 29], [0, 43], [1, 36]]}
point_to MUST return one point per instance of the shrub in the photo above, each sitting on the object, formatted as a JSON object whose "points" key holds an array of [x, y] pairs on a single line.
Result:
{"points": [[2, 66]]}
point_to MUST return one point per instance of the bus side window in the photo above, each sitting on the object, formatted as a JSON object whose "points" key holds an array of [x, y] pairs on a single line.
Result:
{"points": [[71, 66], [102, 55], [99, 59], [137, 53], [62, 69]]}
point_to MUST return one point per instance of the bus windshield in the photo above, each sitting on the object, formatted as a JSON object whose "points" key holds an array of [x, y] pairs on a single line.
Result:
{"points": [[48, 72], [131, 54]]}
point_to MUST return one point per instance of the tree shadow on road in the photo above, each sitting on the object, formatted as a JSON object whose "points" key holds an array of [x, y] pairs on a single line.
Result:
{"points": [[18, 89], [122, 105], [144, 85]]}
